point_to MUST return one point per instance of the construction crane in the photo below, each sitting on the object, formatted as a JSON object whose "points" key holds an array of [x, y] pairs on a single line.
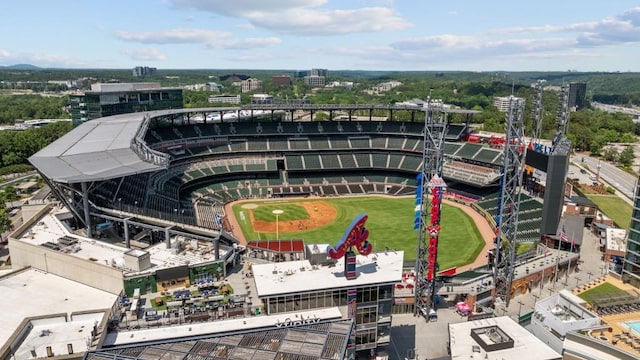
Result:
{"points": [[429, 193], [504, 255]]}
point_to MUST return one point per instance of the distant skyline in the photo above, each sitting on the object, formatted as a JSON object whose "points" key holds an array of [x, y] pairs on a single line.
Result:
{"points": [[383, 35]]}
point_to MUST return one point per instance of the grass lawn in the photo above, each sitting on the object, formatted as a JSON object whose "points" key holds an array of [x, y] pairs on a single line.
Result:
{"points": [[614, 207], [290, 212], [604, 288], [390, 224]]}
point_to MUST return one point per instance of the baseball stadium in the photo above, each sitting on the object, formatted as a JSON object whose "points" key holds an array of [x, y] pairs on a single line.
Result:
{"points": [[195, 171], [165, 200]]}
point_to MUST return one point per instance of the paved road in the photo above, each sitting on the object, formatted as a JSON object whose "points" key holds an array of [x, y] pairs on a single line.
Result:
{"points": [[619, 179]]}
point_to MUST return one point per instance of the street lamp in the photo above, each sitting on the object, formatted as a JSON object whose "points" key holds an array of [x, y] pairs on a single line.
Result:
{"points": [[277, 213], [598, 172]]}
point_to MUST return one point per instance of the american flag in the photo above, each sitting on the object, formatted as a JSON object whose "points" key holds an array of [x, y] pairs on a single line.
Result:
{"points": [[563, 235]]}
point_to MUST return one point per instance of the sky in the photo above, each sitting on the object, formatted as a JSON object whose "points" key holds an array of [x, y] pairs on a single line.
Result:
{"points": [[424, 35]]}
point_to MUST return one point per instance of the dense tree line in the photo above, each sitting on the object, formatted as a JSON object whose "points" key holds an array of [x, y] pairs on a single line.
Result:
{"points": [[17, 146], [26, 107]]}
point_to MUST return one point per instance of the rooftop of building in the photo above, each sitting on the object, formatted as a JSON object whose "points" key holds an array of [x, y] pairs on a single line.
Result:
{"points": [[62, 336], [300, 276], [510, 340], [34, 293], [48, 231], [281, 320], [564, 312]]}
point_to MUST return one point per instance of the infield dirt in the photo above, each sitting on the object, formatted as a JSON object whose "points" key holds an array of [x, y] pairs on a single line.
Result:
{"points": [[320, 213]]}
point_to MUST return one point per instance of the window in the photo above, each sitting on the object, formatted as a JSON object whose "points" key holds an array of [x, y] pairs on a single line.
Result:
{"points": [[367, 315]]}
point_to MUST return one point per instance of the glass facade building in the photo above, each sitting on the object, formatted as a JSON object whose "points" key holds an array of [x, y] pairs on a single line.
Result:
{"points": [[631, 266], [96, 104], [373, 315]]}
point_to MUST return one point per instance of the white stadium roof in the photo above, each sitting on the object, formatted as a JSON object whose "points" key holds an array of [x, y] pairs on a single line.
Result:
{"points": [[96, 150]]}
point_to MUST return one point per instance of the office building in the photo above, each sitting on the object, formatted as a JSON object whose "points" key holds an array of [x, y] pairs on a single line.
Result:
{"points": [[224, 99], [631, 266], [502, 102], [577, 95], [281, 80], [140, 71], [261, 99], [314, 80], [319, 72], [250, 84], [122, 98], [310, 284]]}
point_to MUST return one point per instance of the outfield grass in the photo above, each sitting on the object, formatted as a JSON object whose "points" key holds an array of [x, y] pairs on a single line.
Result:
{"points": [[289, 212], [614, 207], [604, 288], [390, 225]]}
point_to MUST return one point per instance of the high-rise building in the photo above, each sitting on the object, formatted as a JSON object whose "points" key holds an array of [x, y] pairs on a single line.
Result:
{"points": [[577, 95], [314, 80], [282, 80], [139, 71], [319, 72], [502, 102], [122, 98], [631, 266]]}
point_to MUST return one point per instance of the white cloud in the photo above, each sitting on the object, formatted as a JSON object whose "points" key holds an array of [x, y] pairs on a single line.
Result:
{"points": [[144, 54], [174, 36], [330, 22], [623, 28], [303, 17], [209, 38], [39, 59], [241, 8], [251, 43], [246, 26], [252, 57]]}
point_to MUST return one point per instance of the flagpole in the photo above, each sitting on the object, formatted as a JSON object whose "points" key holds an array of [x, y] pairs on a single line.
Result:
{"points": [[546, 250], [573, 241], [555, 276]]}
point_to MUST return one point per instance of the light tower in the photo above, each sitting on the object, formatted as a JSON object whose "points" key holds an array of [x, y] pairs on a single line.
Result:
{"points": [[537, 112], [429, 192], [562, 117], [509, 201]]}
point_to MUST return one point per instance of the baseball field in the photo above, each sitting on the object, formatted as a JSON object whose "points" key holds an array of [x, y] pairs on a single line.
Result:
{"points": [[390, 224]]}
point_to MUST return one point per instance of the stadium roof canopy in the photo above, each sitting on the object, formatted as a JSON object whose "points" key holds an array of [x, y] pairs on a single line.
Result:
{"points": [[96, 150]]}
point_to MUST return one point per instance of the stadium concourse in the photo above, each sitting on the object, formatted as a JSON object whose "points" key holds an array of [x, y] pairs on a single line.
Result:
{"points": [[143, 181]]}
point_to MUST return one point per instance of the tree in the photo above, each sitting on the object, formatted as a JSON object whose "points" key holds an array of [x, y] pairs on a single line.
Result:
{"points": [[5, 223], [610, 154], [628, 138], [627, 156]]}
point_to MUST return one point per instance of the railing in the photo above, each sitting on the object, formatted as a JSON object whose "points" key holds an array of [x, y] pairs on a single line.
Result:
{"points": [[140, 147]]}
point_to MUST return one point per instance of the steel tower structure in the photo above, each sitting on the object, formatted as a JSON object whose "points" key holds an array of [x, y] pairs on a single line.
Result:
{"points": [[562, 117], [537, 112], [429, 192], [509, 201]]}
